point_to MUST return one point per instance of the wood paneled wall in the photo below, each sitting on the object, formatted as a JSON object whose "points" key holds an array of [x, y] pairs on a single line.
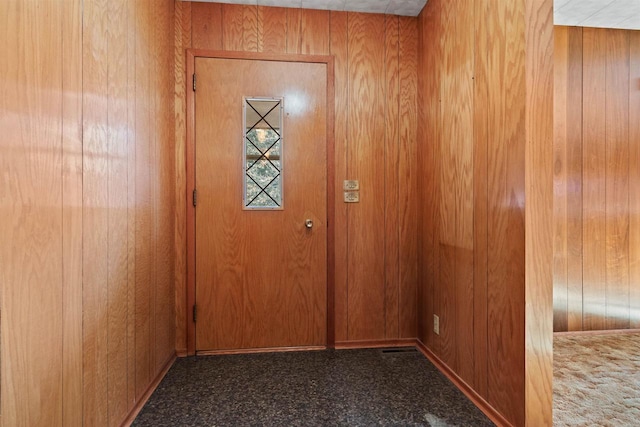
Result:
{"points": [[375, 139], [597, 179], [485, 83], [87, 201]]}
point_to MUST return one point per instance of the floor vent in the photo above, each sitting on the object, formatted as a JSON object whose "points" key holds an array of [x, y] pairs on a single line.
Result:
{"points": [[398, 350]]}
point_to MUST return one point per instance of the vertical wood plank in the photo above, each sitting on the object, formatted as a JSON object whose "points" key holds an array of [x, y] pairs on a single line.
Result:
{"points": [[463, 140], [339, 49], [574, 158], [366, 109], [294, 28], [430, 130], [506, 202], [250, 28], [480, 190], [232, 27], [95, 216], [634, 179], [617, 179], [182, 42], [72, 212], [560, 274], [314, 32], [594, 172], [391, 177], [272, 29], [165, 315], [144, 217], [117, 275], [538, 321], [408, 171], [206, 24], [31, 202], [448, 185], [132, 25]]}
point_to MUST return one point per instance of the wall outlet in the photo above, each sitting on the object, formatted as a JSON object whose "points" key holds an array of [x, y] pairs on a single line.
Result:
{"points": [[436, 324]]}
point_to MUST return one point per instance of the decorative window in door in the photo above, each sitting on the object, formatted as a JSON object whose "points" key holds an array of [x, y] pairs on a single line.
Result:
{"points": [[263, 153]]}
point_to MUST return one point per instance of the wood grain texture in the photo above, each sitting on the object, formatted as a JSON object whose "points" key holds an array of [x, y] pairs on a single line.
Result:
{"points": [[463, 61], [322, 32], [392, 178], [165, 208], [73, 200], [480, 199], [617, 179], [144, 188], [447, 181], [132, 25], [117, 250], [33, 229], [506, 204], [634, 180], [255, 294], [95, 214], [594, 172], [560, 173], [294, 28], [72, 212], [429, 98], [574, 157], [408, 172], [339, 50], [204, 26], [182, 42], [485, 119], [538, 323], [314, 32], [366, 137], [240, 27], [567, 178], [272, 29], [596, 138]]}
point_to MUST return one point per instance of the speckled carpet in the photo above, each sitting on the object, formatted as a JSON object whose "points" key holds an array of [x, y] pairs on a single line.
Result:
{"points": [[317, 388], [596, 380]]}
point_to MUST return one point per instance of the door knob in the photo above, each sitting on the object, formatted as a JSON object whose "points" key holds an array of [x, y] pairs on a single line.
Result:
{"points": [[308, 223]]}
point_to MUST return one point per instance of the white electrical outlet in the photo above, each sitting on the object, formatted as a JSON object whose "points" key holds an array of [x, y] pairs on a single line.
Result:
{"points": [[436, 324]]}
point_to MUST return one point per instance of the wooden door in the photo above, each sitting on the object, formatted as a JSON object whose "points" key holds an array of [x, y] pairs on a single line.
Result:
{"points": [[261, 275]]}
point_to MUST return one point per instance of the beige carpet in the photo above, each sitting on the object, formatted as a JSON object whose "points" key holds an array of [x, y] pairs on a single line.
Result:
{"points": [[596, 380]]}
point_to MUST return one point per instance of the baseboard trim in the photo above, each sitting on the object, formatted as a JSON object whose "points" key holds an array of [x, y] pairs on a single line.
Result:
{"points": [[477, 400], [598, 332], [147, 394], [181, 352], [258, 350], [346, 345]]}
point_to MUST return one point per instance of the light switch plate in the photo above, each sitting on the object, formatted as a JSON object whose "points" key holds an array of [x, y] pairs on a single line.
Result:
{"points": [[351, 185], [351, 196]]}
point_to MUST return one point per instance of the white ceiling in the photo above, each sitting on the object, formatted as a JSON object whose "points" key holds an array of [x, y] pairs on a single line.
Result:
{"points": [[598, 13], [392, 7], [585, 13]]}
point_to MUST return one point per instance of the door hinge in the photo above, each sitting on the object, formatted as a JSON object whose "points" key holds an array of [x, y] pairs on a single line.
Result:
{"points": [[194, 82], [195, 313], [195, 198]]}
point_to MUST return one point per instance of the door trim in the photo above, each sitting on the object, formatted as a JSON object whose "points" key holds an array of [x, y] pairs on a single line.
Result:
{"points": [[192, 54]]}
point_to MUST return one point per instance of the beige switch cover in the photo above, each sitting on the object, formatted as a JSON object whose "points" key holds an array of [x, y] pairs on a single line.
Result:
{"points": [[351, 196], [351, 185]]}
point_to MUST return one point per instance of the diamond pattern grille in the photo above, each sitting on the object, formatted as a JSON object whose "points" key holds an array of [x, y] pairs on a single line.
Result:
{"points": [[263, 153]]}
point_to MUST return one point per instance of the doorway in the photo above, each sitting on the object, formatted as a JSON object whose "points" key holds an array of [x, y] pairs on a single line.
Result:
{"points": [[260, 202]]}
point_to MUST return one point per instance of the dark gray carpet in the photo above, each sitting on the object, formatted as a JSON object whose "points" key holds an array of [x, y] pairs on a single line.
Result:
{"points": [[316, 388]]}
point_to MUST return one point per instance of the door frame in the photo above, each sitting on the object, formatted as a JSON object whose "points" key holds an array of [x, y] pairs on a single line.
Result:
{"points": [[192, 54]]}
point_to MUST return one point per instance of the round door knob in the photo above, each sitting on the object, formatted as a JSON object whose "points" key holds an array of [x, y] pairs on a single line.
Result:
{"points": [[308, 223]]}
